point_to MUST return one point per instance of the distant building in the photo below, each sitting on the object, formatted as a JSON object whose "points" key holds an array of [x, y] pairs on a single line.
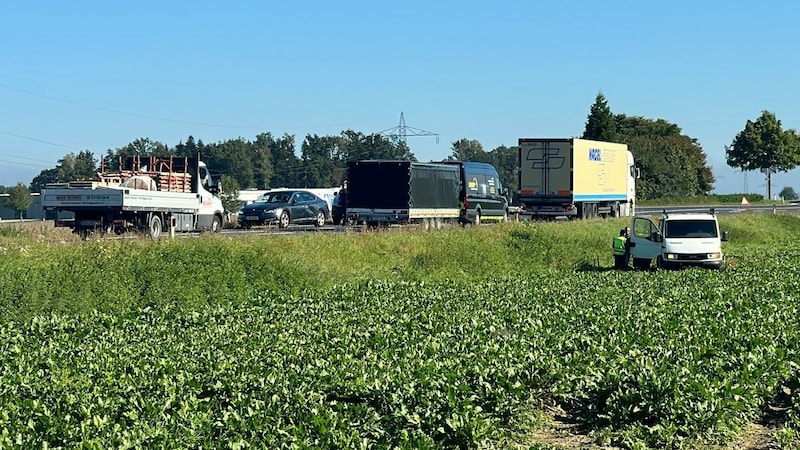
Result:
{"points": [[35, 210]]}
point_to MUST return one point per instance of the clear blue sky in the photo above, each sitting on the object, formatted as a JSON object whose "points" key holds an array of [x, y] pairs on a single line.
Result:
{"points": [[97, 75]]}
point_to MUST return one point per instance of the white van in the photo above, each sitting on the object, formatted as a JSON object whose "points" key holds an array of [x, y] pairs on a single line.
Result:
{"points": [[678, 240]]}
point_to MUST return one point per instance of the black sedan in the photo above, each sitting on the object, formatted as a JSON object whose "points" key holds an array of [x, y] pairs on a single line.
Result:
{"points": [[285, 207]]}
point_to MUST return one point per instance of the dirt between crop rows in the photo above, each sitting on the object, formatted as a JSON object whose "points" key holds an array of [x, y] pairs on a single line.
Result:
{"points": [[565, 435]]}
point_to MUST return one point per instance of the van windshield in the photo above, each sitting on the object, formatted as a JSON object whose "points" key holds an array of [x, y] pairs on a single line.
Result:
{"points": [[690, 229]]}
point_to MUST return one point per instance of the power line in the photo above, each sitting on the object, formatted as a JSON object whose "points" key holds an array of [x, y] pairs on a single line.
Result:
{"points": [[38, 140], [156, 118], [17, 163], [116, 111], [27, 159]]}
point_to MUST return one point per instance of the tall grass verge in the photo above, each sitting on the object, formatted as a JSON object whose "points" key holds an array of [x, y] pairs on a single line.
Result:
{"points": [[43, 275]]}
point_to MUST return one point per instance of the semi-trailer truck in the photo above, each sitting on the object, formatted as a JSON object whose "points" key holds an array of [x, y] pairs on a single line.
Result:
{"points": [[145, 193], [575, 178]]}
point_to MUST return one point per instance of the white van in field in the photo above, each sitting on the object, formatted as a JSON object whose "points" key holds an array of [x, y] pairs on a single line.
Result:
{"points": [[678, 240]]}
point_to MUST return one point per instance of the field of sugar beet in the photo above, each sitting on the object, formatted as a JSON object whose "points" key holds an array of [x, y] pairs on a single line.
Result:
{"points": [[510, 336]]}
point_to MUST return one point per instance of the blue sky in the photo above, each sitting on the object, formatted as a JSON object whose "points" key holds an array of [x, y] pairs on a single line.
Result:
{"points": [[97, 75]]}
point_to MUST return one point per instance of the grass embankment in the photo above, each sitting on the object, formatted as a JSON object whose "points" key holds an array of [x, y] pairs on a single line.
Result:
{"points": [[42, 273], [453, 338], [39, 274]]}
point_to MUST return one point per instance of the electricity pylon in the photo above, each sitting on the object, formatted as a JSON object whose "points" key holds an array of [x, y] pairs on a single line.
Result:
{"points": [[402, 131]]}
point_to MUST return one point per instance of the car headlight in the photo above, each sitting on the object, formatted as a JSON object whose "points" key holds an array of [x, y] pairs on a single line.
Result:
{"points": [[713, 255], [671, 256]]}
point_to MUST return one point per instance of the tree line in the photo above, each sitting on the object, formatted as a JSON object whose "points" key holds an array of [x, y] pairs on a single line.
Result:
{"points": [[671, 163]]}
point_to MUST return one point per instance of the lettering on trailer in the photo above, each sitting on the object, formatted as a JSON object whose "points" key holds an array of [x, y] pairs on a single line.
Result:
{"points": [[594, 154]]}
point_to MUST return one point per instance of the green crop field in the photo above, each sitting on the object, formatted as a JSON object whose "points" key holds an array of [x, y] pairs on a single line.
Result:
{"points": [[511, 336]]}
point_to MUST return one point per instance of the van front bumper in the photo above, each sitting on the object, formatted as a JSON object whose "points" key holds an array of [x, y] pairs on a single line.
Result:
{"points": [[699, 260]]}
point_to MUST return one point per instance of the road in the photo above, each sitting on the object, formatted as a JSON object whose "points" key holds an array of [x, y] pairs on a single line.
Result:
{"points": [[789, 208], [793, 208]]}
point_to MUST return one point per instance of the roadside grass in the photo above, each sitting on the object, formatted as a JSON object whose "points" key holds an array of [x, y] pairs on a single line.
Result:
{"points": [[41, 273], [712, 199]]}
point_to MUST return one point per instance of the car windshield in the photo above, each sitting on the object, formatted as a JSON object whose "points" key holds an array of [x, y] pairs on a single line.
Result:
{"points": [[690, 229], [274, 197]]}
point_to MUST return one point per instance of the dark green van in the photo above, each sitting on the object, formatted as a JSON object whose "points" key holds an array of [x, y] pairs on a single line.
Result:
{"points": [[483, 196]]}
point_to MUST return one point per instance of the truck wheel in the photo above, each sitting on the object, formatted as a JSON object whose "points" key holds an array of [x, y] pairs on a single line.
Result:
{"points": [[155, 227], [320, 219], [216, 224], [477, 221], [641, 263], [283, 220]]}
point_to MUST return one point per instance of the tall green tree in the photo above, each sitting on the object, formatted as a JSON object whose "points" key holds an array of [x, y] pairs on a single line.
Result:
{"points": [[19, 199], [230, 194], [262, 160], [232, 157], [73, 167], [318, 153], [600, 124], [469, 150], [504, 159], [44, 177], [144, 147], [287, 167], [788, 193], [190, 148], [764, 145], [671, 163]]}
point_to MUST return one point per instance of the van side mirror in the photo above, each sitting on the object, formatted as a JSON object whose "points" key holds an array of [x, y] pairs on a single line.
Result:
{"points": [[725, 236], [658, 237]]}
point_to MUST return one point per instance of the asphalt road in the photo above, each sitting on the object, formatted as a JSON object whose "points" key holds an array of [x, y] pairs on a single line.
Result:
{"points": [[793, 208]]}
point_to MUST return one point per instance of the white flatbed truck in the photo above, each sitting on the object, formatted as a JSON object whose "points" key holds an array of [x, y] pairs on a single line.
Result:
{"points": [[145, 193]]}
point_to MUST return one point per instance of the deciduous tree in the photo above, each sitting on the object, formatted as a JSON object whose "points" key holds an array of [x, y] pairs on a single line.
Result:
{"points": [[764, 145], [469, 150], [19, 199], [76, 167], [44, 177], [788, 193], [671, 163]]}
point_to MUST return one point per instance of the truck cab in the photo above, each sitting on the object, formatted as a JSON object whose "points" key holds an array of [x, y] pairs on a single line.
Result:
{"points": [[677, 240]]}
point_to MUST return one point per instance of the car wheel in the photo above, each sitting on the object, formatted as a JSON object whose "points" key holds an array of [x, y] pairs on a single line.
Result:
{"points": [[284, 220], [477, 221], [641, 263], [155, 227], [320, 219], [216, 224]]}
